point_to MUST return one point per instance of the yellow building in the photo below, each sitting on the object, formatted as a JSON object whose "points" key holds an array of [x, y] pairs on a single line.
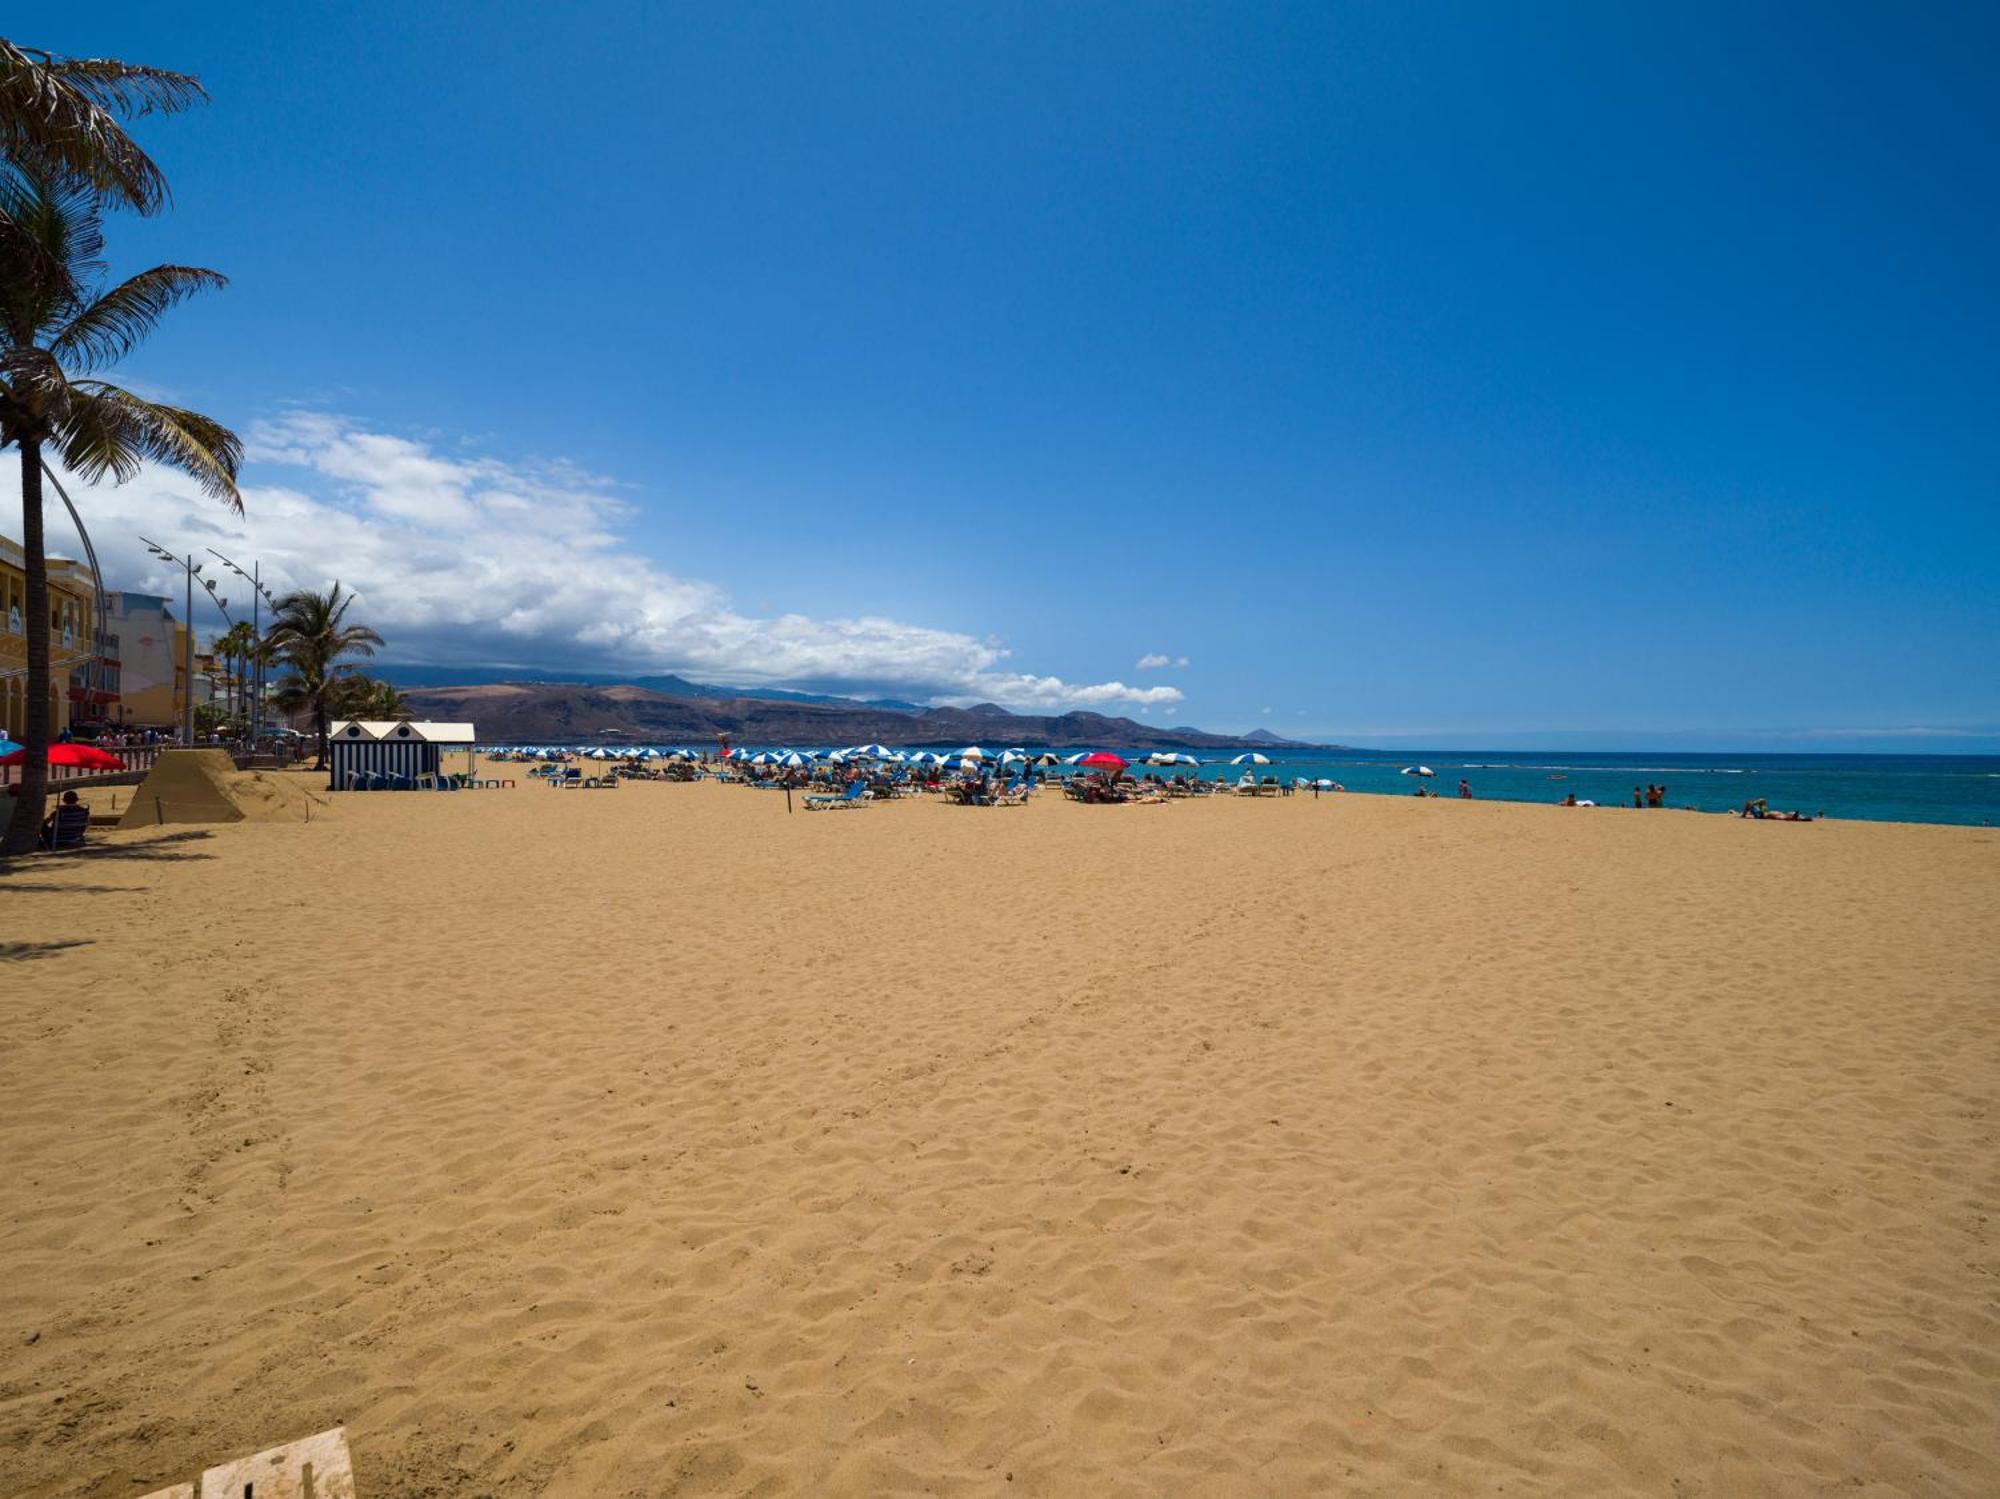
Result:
{"points": [[70, 626]]}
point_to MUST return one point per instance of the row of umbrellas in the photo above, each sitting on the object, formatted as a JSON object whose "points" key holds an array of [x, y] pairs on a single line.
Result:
{"points": [[972, 753]]}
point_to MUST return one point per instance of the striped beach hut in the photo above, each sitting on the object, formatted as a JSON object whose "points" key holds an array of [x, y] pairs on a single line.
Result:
{"points": [[373, 754]]}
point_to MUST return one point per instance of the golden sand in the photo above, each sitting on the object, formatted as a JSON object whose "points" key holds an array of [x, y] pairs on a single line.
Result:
{"points": [[657, 1142]]}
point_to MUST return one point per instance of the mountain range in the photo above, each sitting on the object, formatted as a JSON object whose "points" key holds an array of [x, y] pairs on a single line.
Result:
{"points": [[642, 712]]}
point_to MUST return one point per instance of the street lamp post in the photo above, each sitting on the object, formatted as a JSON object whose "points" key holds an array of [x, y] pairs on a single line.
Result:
{"points": [[259, 595], [191, 567]]}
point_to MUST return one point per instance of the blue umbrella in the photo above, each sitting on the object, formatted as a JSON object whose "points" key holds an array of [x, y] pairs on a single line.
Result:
{"points": [[1253, 758], [7, 746]]}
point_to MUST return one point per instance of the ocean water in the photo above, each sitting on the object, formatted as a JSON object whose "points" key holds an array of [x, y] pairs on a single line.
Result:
{"points": [[1962, 789]]}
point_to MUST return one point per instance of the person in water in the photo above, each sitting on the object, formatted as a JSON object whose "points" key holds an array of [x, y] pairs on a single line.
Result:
{"points": [[1464, 790]]}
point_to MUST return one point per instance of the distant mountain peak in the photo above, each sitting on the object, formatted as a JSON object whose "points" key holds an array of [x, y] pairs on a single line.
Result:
{"points": [[532, 712]]}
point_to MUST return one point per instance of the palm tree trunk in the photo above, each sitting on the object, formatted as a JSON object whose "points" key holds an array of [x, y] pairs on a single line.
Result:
{"points": [[30, 804], [320, 727]]}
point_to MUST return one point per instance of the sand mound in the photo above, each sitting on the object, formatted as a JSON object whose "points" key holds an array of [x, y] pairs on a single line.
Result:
{"points": [[206, 786]]}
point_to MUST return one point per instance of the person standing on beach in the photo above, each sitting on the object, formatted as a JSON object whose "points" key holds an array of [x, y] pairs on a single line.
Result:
{"points": [[1638, 797], [1464, 790]]}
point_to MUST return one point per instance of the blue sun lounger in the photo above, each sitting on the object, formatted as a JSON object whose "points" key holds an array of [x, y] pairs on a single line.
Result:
{"points": [[855, 795]]}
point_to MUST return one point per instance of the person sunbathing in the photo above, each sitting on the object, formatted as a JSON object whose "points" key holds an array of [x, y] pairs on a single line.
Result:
{"points": [[1761, 811]]}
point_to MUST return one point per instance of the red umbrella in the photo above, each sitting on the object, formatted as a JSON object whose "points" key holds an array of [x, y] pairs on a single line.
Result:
{"points": [[82, 756], [1102, 760]]}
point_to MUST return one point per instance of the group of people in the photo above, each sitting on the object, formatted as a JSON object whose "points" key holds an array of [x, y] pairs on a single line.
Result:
{"points": [[1651, 796]]}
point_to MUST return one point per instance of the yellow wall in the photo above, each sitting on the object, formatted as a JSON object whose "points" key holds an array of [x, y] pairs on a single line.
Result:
{"points": [[70, 631]]}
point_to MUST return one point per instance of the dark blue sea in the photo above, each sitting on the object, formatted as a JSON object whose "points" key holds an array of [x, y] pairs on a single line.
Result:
{"points": [[1884, 788]]}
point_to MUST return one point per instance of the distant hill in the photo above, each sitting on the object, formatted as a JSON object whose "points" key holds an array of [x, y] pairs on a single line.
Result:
{"points": [[673, 686], [536, 712]]}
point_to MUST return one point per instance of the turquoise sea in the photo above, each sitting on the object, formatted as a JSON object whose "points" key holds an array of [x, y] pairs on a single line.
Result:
{"points": [[1961, 789]]}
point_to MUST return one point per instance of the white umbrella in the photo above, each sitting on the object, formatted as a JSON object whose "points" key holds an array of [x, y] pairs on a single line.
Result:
{"points": [[1048, 757], [1252, 758], [796, 760], [1418, 770], [1078, 758], [971, 752], [1170, 757]]}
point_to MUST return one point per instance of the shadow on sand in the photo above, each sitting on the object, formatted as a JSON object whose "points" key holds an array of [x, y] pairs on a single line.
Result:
{"points": [[21, 952], [170, 848]]}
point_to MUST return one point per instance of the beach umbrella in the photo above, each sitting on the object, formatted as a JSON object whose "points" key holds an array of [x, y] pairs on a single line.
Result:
{"points": [[1252, 758], [796, 760], [971, 752], [764, 757], [1014, 757], [1078, 758], [7, 746], [1418, 770], [78, 756], [1170, 757], [739, 753], [1048, 757], [1102, 760], [875, 752]]}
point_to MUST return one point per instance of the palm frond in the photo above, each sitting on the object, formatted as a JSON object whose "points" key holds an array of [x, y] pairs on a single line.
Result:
{"points": [[63, 113], [105, 429], [129, 90], [116, 323]]}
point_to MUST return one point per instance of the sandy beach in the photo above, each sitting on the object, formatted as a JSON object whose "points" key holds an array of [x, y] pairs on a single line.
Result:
{"points": [[658, 1142]]}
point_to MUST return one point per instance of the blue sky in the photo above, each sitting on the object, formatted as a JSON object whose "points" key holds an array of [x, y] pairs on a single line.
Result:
{"points": [[1451, 373]]}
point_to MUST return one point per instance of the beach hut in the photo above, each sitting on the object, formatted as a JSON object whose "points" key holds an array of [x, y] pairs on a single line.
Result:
{"points": [[375, 753]]}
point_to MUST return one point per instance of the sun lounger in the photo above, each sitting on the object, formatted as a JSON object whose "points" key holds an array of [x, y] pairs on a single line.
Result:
{"points": [[66, 826], [854, 796]]}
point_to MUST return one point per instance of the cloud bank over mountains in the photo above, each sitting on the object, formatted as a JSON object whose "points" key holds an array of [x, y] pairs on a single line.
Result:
{"points": [[469, 561]]}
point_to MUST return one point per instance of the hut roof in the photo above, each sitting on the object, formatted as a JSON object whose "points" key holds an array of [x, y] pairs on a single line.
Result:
{"points": [[365, 729]]}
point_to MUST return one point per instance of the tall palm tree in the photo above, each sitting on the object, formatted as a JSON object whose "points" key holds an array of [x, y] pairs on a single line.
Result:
{"points": [[237, 646], [310, 634], [58, 326]]}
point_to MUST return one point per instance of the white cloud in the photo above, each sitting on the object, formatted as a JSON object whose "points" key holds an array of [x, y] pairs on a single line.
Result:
{"points": [[472, 561], [1265, 710], [1155, 660]]}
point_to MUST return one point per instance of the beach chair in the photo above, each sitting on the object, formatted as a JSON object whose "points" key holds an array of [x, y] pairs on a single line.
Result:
{"points": [[855, 795], [66, 826], [1015, 794]]}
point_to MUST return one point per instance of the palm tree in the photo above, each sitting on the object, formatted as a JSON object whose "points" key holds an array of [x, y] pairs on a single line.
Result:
{"points": [[60, 116], [57, 327], [386, 702], [309, 634], [237, 647]]}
